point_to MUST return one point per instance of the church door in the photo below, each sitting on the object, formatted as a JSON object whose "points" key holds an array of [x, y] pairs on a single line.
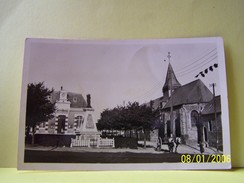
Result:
{"points": [[205, 134], [168, 128], [177, 127], [161, 130], [195, 123]]}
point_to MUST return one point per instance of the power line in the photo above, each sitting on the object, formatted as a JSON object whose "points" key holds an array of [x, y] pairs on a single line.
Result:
{"points": [[199, 59], [153, 89], [205, 71], [149, 92], [182, 72], [197, 67], [203, 62]]}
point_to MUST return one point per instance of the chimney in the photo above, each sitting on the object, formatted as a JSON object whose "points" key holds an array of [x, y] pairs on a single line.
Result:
{"points": [[61, 88], [88, 100]]}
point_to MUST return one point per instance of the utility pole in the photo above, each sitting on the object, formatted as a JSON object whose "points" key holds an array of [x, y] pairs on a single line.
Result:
{"points": [[215, 115]]}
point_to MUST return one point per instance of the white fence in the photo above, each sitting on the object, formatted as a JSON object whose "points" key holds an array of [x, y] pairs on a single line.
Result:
{"points": [[80, 143], [105, 142], [92, 142]]}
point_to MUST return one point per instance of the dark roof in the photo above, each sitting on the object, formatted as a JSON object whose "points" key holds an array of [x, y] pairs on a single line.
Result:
{"points": [[194, 92], [175, 82], [156, 102], [209, 108], [76, 99]]}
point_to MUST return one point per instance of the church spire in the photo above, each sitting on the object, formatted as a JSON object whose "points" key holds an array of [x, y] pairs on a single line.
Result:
{"points": [[167, 84]]}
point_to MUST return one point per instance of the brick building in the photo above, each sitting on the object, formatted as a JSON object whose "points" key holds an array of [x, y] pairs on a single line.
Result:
{"points": [[74, 116]]}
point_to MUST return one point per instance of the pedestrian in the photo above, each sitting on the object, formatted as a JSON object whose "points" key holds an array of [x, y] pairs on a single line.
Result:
{"points": [[201, 147], [171, 143], [177, 142], [159, 144]]}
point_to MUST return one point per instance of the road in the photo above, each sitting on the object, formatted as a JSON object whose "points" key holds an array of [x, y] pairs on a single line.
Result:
{"points": [[98, 157]]}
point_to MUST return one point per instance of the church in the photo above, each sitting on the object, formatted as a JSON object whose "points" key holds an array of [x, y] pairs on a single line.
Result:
{"points": [[181, 109]]}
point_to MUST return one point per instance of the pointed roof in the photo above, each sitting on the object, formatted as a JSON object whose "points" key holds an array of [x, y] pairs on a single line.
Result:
{"points": [[194, 92], [175, 82]]}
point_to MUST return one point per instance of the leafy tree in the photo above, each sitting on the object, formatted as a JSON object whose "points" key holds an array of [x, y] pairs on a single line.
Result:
{"points": [[131, 117], [39, 108], [147, 118]]}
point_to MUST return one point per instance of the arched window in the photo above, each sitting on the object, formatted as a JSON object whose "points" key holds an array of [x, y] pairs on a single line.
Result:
{"points": [[210, 128], [194, 118], [168, 128]]}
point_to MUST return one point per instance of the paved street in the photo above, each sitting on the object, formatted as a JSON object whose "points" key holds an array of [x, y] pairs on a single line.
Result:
{"points": [[107, 155], [98, 157]]}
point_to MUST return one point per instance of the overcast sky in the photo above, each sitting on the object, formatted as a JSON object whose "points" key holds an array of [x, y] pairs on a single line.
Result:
{"points": [[114, 72]]}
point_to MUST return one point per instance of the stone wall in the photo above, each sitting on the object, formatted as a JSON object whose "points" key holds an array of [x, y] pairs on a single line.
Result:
{"points": [[188, 132], [214, 131]]}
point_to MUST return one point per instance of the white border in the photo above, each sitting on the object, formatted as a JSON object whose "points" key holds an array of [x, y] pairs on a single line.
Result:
{"points": [[124, 166]]}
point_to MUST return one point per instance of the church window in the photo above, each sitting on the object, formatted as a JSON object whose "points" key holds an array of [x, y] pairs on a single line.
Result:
{"points": [[210, 127], [194, 118]]}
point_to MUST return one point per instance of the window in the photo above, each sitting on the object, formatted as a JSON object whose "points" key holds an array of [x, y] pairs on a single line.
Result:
{"points": [[75, 99], [210, 127], [80, 121], [194, 118]]}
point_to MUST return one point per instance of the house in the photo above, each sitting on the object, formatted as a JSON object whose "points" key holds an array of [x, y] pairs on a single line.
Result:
{"points": [[74, 116]]}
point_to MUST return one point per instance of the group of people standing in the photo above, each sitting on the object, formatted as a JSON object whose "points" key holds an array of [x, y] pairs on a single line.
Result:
{"points": [[173, 143]]}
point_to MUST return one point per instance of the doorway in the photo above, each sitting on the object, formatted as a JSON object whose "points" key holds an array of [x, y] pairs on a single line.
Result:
{"points": [[61, 123], [177, 127], [168, 128], [205, 132]]}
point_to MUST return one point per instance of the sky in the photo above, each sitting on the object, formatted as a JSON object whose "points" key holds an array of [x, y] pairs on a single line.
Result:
{"points": [[118, 72]]}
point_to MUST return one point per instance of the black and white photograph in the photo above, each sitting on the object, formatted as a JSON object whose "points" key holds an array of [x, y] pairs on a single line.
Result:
{"points": [[145, 104]]}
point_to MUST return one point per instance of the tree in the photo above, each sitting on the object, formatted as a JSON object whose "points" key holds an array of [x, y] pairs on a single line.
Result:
{"points": [[39, 108], [130, 117], [147, 118]]}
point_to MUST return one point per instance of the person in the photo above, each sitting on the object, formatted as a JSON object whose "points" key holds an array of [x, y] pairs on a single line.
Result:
{"points": [[201, 147], [177, 142], [171, 143], [159, 143]]}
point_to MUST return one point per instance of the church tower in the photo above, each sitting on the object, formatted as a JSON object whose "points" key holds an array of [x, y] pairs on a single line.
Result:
{"points": [[170, 80]]}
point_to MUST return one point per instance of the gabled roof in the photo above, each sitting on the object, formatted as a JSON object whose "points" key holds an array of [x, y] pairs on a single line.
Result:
{"points": [[76, 99], [175, 82], [209, 108], [194, 92]]}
